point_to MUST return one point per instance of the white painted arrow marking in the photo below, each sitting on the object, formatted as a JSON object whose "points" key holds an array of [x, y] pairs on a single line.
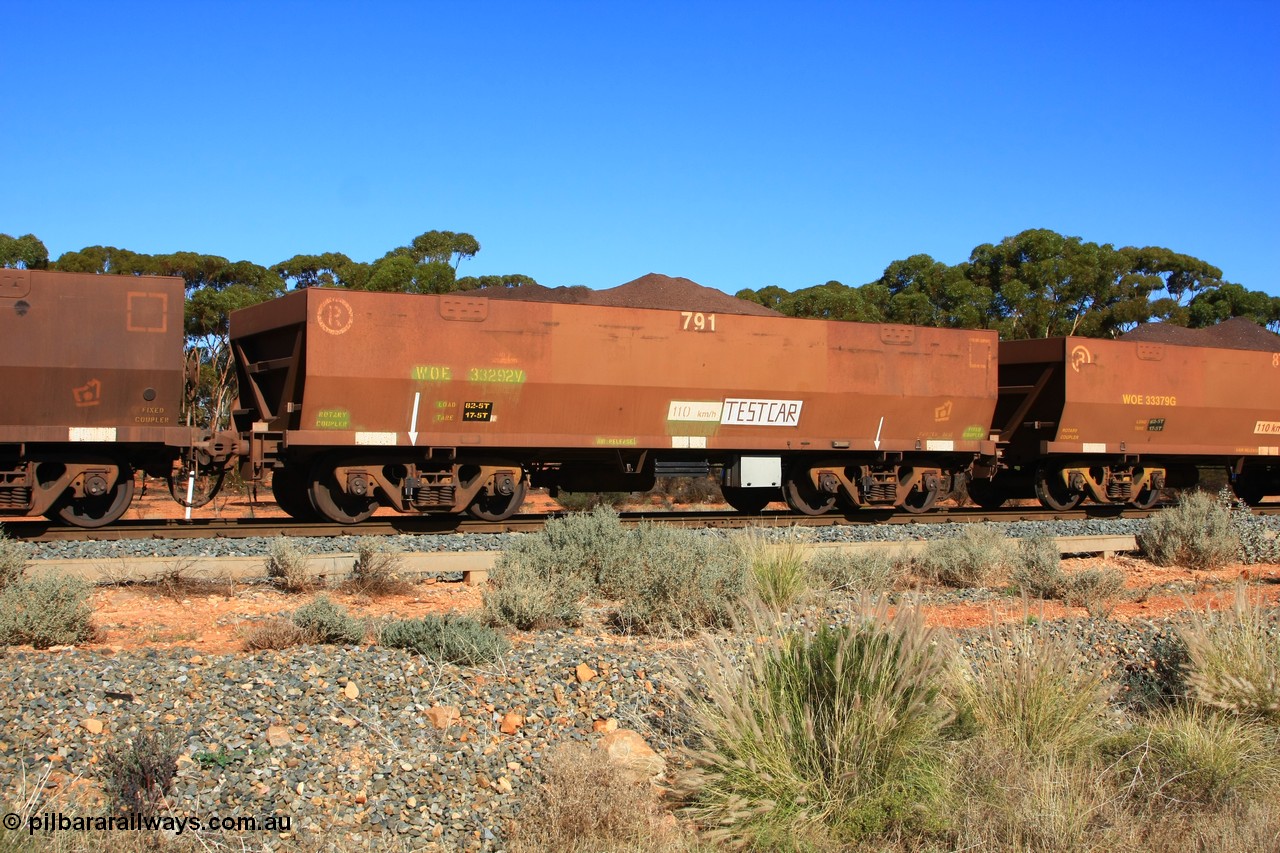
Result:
{"points": [[878, 432], [413, 421]]}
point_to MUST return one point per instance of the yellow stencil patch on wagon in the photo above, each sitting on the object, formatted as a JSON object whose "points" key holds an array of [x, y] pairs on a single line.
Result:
{"points": [[333, 419], [432, 373]]}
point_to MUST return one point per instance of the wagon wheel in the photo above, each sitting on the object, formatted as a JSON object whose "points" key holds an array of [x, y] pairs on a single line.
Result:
{"points": [[748, 501], [100, 510], [488, 507], [803, 497], [332, 502], [1145, 499], [920, 499], [986, 494], [292, 495], [1052, 493]]}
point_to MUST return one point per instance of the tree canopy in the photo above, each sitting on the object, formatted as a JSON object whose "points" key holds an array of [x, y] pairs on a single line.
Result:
{"points": [[1036, 284]]}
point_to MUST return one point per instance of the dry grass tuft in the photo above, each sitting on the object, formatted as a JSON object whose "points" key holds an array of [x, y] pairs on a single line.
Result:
{"points": [[1235, 659], [276, 633], [588, 805], [287, 565], [376, 571]]}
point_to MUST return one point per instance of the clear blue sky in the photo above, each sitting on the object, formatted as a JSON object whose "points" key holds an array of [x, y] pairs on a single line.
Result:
{"points": [[738, 144]]}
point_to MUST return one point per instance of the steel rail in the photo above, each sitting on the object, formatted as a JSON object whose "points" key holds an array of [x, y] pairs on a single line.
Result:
{"points": [[43, 530]]}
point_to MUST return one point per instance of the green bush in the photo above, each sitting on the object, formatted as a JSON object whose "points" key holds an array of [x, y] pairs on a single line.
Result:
{"points": [[138, 772], [450, 638], [816, 741], [13, 559], [1038, 571], [1257, 544], [666, 579], [861, 571], [541, 580], [1035, 694], [1197, 533], [1234, 659], [520, 595], [967, 560], [326, 622], [678, 581], [49, 610]]}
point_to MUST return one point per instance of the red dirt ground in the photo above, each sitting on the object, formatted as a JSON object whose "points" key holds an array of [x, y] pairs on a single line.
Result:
{"points": [[212, 616]]}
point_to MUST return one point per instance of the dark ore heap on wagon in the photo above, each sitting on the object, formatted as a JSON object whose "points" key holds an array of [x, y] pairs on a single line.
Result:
{"points": [[648, 291], [1236, 333]]}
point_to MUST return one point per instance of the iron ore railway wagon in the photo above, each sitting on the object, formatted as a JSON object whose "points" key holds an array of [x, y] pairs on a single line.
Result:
{"points": [[1117, 421], [459, 404], [91, 391]]}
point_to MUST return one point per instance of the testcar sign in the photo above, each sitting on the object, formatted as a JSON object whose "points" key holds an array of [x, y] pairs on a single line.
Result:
{"points": [[745, 412]]}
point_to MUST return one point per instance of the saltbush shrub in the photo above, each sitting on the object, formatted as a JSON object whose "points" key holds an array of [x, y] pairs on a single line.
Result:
{"points": [[678, 581], [1038, 568], [48, 610], [521, 595], [1197, 533], [1096, 590], [1257, 543], [861, 571], [13, 559], [966, 560], [664, 579], [326, 622], [450, 638]]}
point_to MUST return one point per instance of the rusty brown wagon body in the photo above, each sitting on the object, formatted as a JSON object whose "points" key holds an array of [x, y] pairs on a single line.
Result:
{"points": [[1116, 421], [92, 371], [448, 403]]}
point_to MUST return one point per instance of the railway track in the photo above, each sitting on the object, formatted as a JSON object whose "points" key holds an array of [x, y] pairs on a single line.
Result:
{"points": [[43, 530]]}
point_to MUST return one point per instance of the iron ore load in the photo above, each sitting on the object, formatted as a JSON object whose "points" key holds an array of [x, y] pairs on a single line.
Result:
{"points": [[458, 403], [92, 372]]}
